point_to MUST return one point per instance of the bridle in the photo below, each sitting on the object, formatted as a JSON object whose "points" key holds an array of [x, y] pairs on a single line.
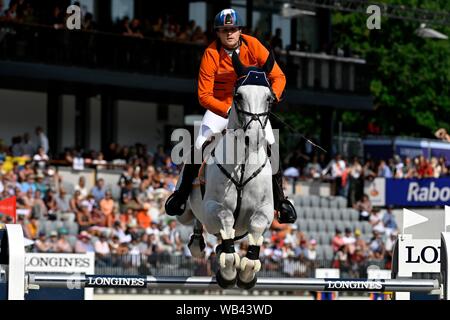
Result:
{"points": [[253, 117]]}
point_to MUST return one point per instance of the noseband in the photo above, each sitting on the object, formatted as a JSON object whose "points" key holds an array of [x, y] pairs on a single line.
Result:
{"points": [[254, 78], [255, 117]]}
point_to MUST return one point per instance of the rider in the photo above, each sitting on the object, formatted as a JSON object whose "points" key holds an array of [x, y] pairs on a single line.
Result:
{"points": [[216, 82]]}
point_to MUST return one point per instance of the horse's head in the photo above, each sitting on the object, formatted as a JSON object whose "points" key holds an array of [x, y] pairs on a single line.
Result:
{"points": [[253, 95]]}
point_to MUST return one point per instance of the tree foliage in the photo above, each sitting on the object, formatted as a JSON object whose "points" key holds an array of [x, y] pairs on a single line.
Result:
{"points": [[410, 76]]}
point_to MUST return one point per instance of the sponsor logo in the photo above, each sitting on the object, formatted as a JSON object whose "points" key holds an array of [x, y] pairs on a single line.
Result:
{"points": [[429, 193], [61, 262], [428, 254], [108, 281], [362, 285]]}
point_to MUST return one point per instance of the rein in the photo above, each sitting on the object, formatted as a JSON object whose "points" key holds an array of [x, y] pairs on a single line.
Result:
{"points": [[241, 183]]}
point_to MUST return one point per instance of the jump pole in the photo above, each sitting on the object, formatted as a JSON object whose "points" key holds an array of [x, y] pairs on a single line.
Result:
{"points": [[13, 255], [282, 284]]}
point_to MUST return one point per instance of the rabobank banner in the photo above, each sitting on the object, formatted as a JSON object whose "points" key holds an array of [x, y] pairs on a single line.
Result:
{"points": [[418, 192]]}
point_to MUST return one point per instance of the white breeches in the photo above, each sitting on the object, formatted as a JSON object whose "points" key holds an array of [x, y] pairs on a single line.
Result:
{"points": [[213, 123]]}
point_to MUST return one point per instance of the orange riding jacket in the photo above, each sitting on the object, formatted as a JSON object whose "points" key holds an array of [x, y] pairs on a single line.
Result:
{"points": [[217, 78]]}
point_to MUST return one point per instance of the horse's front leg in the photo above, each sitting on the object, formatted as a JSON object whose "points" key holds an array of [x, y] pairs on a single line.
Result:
{"points": [[220, 222], [197, 242], [250, 264]]}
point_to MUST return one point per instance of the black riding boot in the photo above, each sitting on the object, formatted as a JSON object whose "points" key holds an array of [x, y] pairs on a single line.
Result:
{"points": [[176, 203], [286, 211]]}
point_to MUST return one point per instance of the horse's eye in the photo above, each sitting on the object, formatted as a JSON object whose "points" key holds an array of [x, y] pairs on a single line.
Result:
{"points": [[238, 96]]}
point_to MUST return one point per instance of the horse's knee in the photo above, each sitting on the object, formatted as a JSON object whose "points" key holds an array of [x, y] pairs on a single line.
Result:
{"points": [[186, 218]]}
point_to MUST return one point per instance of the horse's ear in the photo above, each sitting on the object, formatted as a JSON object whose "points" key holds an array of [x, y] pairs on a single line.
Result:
{"points": [[270, 62], [237, 65]]}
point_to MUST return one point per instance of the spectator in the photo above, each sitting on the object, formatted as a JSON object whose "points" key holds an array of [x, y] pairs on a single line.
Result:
{"points": [[52, 207], [88, 23], [75, 202], [356, 182], [102, 250], [170, 237], [62, 200], [389, 222], [28, 184], [81, 187], [57, 19], [107, 207], [25, 171], [118, 230], [360, 243], [444, 169], [376, 246], [28, 147], [384, 170], [42, 140], [84, 218], [62, 244], [84, 244], [78, 161], [376, 221], [313, 168], [408, 169], [337, 241], [99, 162], [364, 206], [41, 244], [52, 242], [349, 240], [41, 186], [31, 228], [311, 254], [99, 191], [41, 159], [337, 167], [39, 209], [424, 169], [126, 176]]}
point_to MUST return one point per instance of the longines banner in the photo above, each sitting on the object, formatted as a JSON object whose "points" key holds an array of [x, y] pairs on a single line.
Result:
{"points": [[57, 262]]}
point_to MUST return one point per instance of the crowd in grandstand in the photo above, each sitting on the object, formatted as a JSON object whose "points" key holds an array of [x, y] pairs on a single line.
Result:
{"points": [[348, 175], [59, 217], [166, 28]]}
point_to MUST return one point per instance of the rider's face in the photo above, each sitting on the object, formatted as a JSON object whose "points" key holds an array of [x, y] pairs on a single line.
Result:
{"points": [[229, 37]]}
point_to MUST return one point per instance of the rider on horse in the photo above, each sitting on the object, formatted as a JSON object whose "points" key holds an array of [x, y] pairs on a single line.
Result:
{"points": [[216, 82]]}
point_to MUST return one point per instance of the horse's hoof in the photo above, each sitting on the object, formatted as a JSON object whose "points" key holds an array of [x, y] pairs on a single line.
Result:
{"points": [[246, 285], [224, 283]]}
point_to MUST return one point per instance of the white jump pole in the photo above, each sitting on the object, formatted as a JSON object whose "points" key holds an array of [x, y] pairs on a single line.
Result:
{"points": [[445, 265], [284, 284], [19, 282], [16, 262]]}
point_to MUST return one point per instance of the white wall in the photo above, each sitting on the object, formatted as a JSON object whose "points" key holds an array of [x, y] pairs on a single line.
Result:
{"points": [[122, 8], [68, 122], [285, 26], [95, 126], [138, 123], [21, 111], [197, 12]]}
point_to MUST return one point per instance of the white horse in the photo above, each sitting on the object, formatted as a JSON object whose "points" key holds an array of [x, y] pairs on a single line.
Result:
{"points": [[238, 196]]}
